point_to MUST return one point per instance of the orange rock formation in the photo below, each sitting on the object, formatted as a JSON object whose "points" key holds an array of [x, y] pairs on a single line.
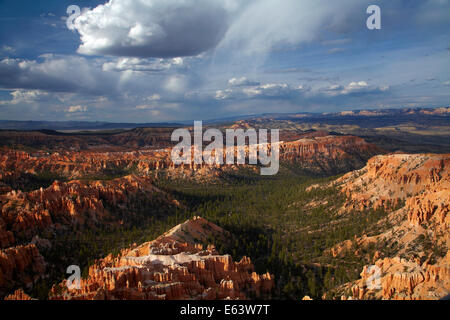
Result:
{"points": [[315, 152], [62, 204], [21, 265], [329, 154], [18, 295], [420, 185], [174, 266]]}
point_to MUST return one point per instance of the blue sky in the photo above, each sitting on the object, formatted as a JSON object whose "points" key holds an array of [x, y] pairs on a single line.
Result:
{"points": [[168, 60]]}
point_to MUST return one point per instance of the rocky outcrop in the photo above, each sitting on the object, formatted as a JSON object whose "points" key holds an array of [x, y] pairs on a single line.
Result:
{"points": [[75, 203], [18, 295], [6, 236], [329, 154], [63, 207], [77, 164], [316, 152], [20, 266], [388, 180], [174, 266], [417, 262], [401, 279], [432, 204]]}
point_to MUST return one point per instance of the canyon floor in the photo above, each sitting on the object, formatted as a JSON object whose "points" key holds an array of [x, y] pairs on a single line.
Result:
{"points": [[350, 215]]}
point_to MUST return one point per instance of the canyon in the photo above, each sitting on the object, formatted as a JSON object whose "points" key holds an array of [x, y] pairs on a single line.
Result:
{"points": [[101, 184]]}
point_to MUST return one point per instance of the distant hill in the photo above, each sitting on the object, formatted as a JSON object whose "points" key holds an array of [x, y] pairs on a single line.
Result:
{"points": [[363, 118], [77, 125]]}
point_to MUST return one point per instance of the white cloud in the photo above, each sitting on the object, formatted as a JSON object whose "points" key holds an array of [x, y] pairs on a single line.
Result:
{"points": [[223, 94], [25, 96], [56, 74], [153, 28], [78, 108], [285, 91], [335, 87], [274, 90], [268, 90], [178, 28], [154, 97], [354, 87], [363, 87], [243, 81], [138, 64]]}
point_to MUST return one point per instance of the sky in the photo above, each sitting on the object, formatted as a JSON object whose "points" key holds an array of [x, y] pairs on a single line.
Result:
{"points": [[168, 60]]}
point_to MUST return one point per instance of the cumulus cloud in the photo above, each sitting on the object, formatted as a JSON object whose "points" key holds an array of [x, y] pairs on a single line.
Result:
{"points": [[153, 28]]}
